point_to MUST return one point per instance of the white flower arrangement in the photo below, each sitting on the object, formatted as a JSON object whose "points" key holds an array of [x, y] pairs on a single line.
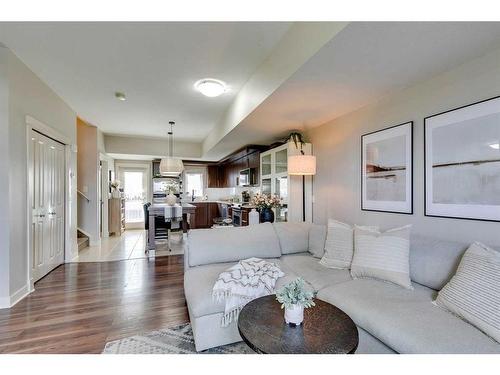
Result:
{"points": [[262, 201], [171, 187]]}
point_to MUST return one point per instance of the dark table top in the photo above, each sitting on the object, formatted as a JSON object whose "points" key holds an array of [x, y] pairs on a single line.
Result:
{"points": [[325, 329]]}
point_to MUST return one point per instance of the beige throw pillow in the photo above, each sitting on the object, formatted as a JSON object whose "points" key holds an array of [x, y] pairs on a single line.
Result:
{"points": [[473, 293], [384, 256], [339, 245]]}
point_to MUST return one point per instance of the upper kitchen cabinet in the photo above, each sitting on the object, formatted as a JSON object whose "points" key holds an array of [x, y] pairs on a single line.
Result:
{"points": [[244, 159], [215, 176], [274, 179]]}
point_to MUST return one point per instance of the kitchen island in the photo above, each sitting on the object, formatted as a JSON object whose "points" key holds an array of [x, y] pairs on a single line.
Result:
{"points": [[158, 210]]}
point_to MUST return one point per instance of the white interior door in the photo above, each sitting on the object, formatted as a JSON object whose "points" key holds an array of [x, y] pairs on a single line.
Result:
{"points": [[47, 232]]}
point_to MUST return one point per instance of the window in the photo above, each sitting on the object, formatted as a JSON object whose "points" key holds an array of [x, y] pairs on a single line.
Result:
{"points": [[194, 183]]}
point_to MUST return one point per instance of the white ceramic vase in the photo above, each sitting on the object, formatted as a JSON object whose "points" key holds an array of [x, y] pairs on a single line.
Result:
{"points": [[294, 314], [253, 217], [171, 199]]}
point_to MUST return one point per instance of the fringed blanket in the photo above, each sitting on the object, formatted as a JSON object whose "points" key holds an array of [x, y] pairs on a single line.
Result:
{"points": [[249, 279]]}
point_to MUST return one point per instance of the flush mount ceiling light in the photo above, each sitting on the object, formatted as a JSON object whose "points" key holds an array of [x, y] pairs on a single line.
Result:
{"points": [[120, 96], [210, 87], [495, 146]]}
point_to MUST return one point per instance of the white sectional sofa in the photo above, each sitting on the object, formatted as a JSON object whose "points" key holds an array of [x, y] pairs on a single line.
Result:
{"points": [[390, 319]]}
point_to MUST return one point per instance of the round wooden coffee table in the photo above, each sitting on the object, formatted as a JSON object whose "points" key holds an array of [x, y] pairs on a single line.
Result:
{"points": [[326, 329]]}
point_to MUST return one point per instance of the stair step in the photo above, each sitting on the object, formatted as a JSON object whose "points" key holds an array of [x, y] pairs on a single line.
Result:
{"points": [[83, 242]]}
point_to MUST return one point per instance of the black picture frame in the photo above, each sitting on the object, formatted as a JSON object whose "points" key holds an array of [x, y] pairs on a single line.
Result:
{"points": [[427, 204], [410, 204]]}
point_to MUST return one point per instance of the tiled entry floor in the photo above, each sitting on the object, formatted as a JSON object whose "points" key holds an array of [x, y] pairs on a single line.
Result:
{"points": [[130, 245]]}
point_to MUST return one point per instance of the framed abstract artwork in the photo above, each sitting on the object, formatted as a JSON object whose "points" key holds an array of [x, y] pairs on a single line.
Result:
{"points": [[387, 170], [462, 162]]}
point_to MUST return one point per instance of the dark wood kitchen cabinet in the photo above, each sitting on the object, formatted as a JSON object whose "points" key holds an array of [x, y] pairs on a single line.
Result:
{"points": [[230, 168], [213, 212], [225, 173], [205, 213], [215, 176], [244, 217], [201, 218], [231, 174]]}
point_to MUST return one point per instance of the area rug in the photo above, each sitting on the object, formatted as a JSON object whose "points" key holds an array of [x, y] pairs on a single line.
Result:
{"points": [[175, 340]]}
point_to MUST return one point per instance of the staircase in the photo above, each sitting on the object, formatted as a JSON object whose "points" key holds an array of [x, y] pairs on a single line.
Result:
{"points": [[83, 240]]}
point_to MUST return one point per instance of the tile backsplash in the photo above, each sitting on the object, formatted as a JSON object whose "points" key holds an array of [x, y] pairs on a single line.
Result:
{"points": [[224, 193]]}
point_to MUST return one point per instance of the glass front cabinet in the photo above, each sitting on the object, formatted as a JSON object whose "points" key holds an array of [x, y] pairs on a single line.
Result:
{"points": [[275, 180]]}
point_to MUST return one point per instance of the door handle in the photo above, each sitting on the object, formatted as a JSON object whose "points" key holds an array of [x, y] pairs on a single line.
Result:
{"points": [[39, 215], [52, 213]]}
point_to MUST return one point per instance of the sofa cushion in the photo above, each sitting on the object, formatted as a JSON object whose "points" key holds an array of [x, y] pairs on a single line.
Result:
{"points": [[339, 245], [199, 282], [406, 320], [309, 268], [207, 246], [317, 238], [384, 256], [433, 262], [293, 237], [474, 292]]}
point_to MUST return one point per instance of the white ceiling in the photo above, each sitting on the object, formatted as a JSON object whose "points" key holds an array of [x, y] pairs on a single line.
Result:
{"points": [[363, 63], [154, 64]]}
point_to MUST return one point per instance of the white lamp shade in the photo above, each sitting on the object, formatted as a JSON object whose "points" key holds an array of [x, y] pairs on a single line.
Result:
{"points": [[302, 165], [171, 166]]}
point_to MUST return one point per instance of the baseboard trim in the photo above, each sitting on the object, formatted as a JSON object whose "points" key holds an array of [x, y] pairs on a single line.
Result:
{"points": [[4, 303], [14, 298], [19, 295]]}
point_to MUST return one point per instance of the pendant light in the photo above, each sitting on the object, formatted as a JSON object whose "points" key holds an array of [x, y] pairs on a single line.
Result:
{"points": [[170, 166]]}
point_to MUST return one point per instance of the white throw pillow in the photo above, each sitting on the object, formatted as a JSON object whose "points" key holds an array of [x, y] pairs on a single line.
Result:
{"points": [[339, 245], [473, 293], [384, 256]]}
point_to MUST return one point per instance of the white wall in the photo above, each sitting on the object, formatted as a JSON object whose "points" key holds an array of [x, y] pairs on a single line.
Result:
{"points": [[150, 147], [107, 165], [337, 147], [27, 95], [4, 181], [88, 181]]}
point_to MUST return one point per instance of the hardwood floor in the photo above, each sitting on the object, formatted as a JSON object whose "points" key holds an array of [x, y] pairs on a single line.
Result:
{"points": [[79, 307]]}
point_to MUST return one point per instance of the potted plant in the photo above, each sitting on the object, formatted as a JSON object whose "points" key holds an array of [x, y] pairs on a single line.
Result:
{"points": [[294, 297], [265, 204]]}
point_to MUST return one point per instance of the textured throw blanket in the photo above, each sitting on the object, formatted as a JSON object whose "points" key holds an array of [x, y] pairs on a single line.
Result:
{"points": [[249, 279]]}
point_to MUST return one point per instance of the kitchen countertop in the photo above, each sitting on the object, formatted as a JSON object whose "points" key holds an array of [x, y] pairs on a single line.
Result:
{"points": [[243, 205], [211, 201]]}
